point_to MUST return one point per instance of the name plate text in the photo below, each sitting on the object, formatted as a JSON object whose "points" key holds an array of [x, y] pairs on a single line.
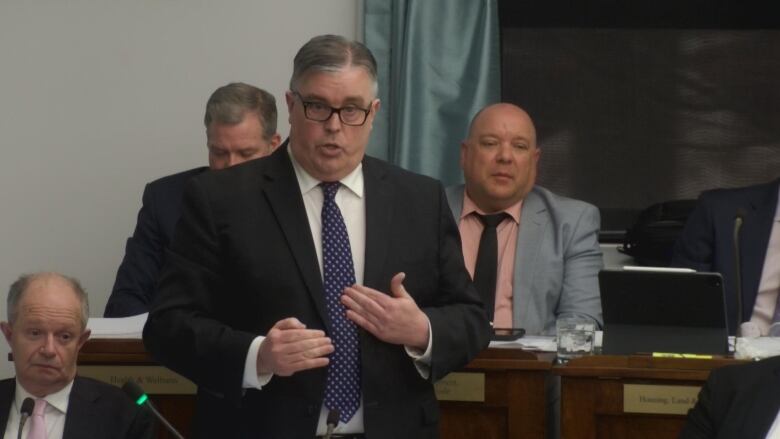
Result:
{"points": [[461, 386], [155, 380], [657, 399]]}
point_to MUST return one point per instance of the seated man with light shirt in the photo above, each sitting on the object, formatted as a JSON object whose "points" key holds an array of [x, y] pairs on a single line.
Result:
{"points": [[46, 328], [544, 258], [707, 244]]}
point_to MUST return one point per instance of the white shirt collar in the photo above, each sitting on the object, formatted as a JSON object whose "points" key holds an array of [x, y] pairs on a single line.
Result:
{"points": [[352, 181], [58, 400]]}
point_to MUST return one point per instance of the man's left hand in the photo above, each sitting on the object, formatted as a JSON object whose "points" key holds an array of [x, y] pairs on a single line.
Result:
{"points": [[393, 319]]}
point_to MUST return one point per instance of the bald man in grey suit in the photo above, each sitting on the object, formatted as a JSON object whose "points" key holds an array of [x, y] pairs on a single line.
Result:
{"points": [[549, 255]]}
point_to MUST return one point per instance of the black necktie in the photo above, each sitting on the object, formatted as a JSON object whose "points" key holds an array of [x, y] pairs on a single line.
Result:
{"points": [[486, 268]]}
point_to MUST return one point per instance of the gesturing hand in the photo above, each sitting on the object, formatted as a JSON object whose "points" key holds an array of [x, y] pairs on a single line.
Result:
{"points": [[289, 347], [393, 319]]}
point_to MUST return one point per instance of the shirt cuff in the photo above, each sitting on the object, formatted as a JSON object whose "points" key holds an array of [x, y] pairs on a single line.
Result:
{"points": [[252, 380], [422, 360]]}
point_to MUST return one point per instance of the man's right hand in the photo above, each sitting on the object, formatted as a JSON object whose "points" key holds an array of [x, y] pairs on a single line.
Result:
{"points": [[289, 347]]}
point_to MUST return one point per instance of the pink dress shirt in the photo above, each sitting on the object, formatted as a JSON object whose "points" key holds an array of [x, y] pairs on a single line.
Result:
{"points": [[471, 231]]}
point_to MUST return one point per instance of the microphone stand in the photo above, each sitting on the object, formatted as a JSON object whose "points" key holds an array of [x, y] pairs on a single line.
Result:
{"points": [[164, 421], [747, 328], [331, 422], [27, 408], [137, 394]]}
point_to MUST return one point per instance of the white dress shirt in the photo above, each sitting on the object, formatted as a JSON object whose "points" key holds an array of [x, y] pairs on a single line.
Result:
{"points": [[769, 285], [352, 203], [774, 431], [56, 410]]}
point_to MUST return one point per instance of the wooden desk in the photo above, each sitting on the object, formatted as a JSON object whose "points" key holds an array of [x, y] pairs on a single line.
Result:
{"points": [[592, 394], [513, 406], [176, 408], [514, 398]]}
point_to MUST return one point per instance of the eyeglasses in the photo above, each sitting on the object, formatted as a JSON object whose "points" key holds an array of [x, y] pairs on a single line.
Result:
{"points": [[348, 115]]}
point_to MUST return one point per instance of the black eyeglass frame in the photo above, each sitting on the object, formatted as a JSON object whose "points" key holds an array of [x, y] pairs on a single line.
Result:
{"points": [[306, 104]]}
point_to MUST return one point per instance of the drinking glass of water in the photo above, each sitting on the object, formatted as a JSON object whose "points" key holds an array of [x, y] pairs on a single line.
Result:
{"points": [[575, 337]]}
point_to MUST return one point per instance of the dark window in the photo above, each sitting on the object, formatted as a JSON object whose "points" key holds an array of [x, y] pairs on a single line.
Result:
{"points": [[637, 103]]}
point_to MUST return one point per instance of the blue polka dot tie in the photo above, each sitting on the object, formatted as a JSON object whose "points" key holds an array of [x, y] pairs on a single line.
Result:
{"points": [[342, 389]]}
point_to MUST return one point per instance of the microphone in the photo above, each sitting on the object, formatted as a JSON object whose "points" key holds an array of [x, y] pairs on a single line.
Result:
{"points": [[331, 422], [137, 394], [26, 411], [748, 328]]}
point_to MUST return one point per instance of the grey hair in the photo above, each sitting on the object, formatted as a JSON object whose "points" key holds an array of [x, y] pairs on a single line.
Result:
{"points": [[21, 285], [330, 53], [230, 103]]}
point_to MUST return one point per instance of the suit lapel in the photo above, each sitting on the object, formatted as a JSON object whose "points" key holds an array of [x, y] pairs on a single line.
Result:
{"points": [[80, 420], [284, 196], [378, 220], [766, 403], [761, 205], [455, 200], [7, 392], [533, 221]]}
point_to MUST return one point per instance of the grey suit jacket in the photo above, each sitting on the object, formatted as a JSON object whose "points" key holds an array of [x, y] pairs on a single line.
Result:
{"points": [[557, 261]]}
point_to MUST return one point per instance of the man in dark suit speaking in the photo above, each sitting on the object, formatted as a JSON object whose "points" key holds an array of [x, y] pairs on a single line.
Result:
{"points": [[46, 328], [317, 281], [240, 125]]}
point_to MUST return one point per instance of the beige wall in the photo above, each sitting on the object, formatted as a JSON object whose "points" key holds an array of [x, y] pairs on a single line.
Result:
{"points": [[99, 97]]}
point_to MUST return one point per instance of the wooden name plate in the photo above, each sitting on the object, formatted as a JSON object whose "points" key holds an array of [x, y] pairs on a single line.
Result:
{"points": [[461, 386], [155, 380], [659, 399]]}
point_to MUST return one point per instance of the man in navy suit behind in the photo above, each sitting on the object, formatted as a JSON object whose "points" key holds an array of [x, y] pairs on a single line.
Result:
{"points": [[240, 125], [707, 244]]}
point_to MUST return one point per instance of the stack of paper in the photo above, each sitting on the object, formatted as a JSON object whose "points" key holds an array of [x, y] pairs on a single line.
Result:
{"points": [[540, 343], [757, 348], [124, 327]]}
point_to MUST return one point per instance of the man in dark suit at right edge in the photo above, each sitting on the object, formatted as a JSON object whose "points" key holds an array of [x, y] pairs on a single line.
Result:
{"points": [[707, 244], [317, 283], [240, 125], [740, 402]]}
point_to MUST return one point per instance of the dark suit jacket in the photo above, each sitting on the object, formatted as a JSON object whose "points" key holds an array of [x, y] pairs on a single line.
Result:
{"points": [[95, 410], [136, 279], [737, 402], [706, 243], [243, 258]]}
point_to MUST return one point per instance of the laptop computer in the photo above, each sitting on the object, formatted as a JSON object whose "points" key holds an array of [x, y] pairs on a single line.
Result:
{"points": [[663, 310]]}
